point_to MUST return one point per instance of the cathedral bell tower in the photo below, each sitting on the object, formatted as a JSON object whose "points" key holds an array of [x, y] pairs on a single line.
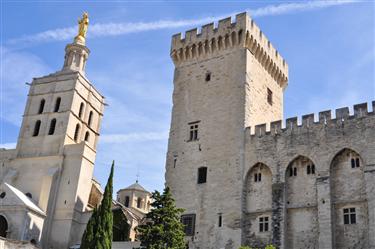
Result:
{"points": [[56, 148]]}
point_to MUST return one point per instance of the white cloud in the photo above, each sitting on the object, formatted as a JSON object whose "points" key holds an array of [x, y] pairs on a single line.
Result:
{"points": [[134, 137], [116, 29], [8, 145]]}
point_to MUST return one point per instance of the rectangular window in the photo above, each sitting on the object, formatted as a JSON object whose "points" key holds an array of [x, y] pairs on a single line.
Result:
{"points": [[263, 224], [349, 216], [193, 133], [202, 175], [220, 220], [188, 220], [269, 96]]}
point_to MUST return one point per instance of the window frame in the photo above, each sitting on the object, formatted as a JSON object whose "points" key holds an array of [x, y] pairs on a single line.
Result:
{"points": [[264, 225], [349, 216], [193, 131], [202, 175], [191, 231]]}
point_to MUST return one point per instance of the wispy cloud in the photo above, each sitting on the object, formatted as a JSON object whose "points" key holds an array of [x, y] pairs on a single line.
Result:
{"points": [[8, 146], [116, 29], [134, 137]]}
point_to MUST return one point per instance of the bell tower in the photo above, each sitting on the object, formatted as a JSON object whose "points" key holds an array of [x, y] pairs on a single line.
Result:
{"points": [[56, 148]]}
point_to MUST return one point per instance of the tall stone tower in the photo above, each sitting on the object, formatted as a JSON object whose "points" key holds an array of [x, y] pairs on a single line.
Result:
{"points": [[226, 79], [54, 159]]}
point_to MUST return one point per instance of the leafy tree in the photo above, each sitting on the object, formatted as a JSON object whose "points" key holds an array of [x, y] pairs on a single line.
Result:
{"points": [[98, 233], [163, 229]]}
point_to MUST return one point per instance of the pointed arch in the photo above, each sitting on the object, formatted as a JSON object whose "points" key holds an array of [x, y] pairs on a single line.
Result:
{"points": [[3, 226]]}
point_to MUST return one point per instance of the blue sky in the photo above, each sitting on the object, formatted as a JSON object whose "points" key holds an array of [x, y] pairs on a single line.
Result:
{"points": [[329, 46]]}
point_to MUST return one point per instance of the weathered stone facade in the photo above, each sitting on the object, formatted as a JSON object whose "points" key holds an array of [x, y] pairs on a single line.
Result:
{"points": [[293, 186]]}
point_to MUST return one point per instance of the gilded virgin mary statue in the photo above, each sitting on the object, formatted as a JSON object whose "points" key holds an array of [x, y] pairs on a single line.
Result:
{"points": [[82, 28]]}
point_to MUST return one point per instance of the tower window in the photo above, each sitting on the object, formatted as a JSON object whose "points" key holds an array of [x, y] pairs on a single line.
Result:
{"points": [[90, 119], [57, 104], [202, 175], [188, 220], [126, 201], [52, 127], [81, 110], [76, 132], [263, 224], [87, 136], [220, 223], [193, 134], [139, 203], [349, 216], [292, 171], [29, 195], [36, 128], [208, 77], [41, 106], [269, 96]]}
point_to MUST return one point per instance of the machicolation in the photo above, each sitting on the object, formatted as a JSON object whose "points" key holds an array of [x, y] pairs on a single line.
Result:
{"points": [[243, 32]]}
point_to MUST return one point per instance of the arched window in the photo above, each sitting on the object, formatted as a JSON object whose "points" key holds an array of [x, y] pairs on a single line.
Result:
{"points": [[87, 136], [81, 110], [90, 119], [126, 201], [76, 132], [41, 106], [57, 104], [36, 128], [3, 226], [139, 202], [52, 127]]}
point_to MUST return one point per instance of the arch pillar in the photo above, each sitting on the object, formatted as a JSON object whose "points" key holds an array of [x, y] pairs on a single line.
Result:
{"points": [[324, 212], [278, 214], [370, 193]]}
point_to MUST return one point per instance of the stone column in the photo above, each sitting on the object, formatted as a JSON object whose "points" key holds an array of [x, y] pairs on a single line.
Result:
{"points": [[278, 214], [324, 212], [370, 193]]}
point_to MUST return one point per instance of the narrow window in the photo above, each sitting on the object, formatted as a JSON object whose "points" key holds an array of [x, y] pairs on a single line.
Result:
{"points": [[76, 132], [357, 164], [208, 76], [139, 203], [313, 169], [41, 106], [349, 216], [174, 162], [193, 134], [87, 136], [57, 104], [202, 175], [353, 163], [220, 220], [255, 177], [263, 224], [29, 195], [259, 177], [90, 119], [269, 96], [81, 110], [308, 169], [188, 220], [52, 127], [295, 171], [36, 128], [126, 201], [290, 171]]}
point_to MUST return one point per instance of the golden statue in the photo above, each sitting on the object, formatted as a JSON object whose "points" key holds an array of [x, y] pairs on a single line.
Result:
{"points": [[82, 28]]}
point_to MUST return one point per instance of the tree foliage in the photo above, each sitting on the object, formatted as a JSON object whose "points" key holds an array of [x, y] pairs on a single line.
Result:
{"points": [[98, 233], [163, 229]]}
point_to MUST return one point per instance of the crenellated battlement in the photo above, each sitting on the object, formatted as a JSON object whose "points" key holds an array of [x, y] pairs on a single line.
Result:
{"points": [[308, 121], [229, 34]]}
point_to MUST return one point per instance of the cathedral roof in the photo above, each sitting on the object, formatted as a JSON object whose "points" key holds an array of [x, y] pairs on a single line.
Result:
{"points": [[135, 186]]}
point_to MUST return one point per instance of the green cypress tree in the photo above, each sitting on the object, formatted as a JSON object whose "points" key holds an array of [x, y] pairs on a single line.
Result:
{"points": [[163, 229], [98, 233]]}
